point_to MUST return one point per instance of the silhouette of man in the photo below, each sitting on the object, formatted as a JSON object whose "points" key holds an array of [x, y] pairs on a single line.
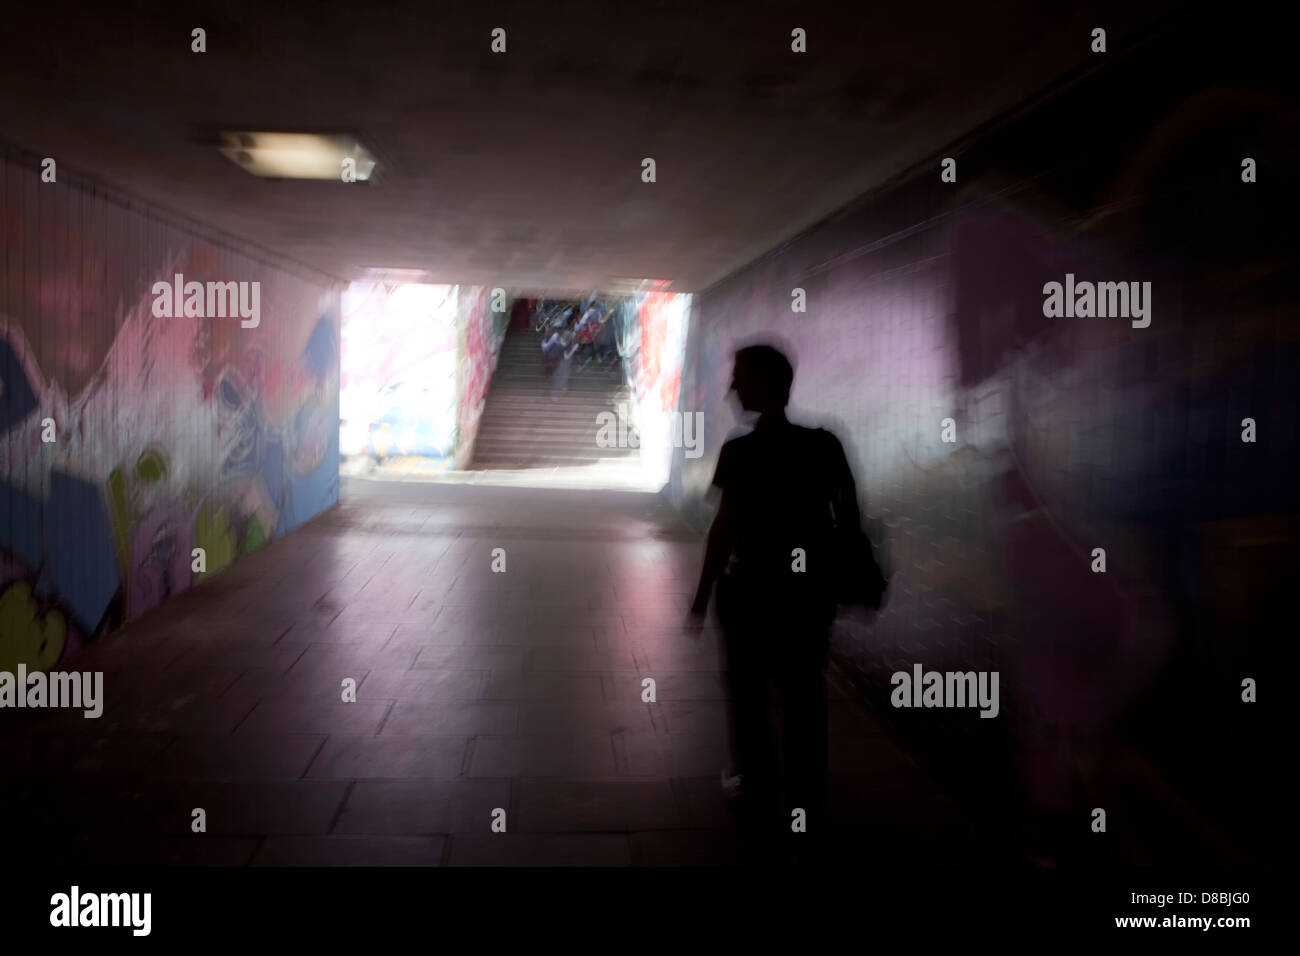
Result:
{"points": [[770, 550]]}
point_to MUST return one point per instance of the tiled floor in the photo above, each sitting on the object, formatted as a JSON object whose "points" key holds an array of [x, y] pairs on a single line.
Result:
{"points": [[476, 692]]}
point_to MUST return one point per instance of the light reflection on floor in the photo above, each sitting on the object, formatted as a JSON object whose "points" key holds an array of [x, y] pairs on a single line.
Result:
{"points": [[609, 474]]}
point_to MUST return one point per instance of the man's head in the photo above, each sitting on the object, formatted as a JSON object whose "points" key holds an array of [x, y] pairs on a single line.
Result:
{"points": [[762, 379]]}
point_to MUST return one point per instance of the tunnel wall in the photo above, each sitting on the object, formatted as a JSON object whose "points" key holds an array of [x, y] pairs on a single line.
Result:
{"points": [[132, 438], [663, 319], [925, 302], [479, 335], [417, 360]]}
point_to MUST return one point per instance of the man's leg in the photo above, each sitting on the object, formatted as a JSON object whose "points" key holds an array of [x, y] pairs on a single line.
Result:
{"points": [[806, 744], [805, 747], [750, 725], [749, 711]]}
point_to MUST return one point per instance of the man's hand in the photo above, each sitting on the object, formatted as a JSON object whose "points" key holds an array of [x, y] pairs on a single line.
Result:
{"points": [[700, 605], [695, 617]]}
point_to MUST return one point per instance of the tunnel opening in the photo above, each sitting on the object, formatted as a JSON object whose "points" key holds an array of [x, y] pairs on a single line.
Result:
{"points": [[466, 384]]}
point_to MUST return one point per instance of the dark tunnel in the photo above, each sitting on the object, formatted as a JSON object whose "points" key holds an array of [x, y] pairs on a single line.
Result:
{"points": [[389, 484]]}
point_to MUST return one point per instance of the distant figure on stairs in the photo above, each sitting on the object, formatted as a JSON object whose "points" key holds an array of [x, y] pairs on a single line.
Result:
{"points": [[566, 345]]}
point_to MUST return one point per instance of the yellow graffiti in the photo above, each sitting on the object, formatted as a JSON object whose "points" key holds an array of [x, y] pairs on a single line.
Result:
{"points": [[212, 533], [26, 636]]}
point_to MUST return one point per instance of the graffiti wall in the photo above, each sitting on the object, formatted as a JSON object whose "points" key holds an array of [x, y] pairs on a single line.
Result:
{"points": [[654, 368], [399, 370], [480, 332], [649, 330], [132, 438], [925, 312], [417, 360]]}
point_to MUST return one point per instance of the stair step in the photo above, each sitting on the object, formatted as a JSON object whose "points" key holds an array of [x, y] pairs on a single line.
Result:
{"points": [[526, 425], [504, 450], [543, 406], [534, 439], [539, 461]]}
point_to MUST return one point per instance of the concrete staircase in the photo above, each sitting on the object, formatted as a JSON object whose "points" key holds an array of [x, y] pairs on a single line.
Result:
{"points": [[522, 428]]}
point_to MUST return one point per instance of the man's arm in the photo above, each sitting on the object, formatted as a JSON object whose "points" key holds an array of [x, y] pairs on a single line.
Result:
{"points": [[716, 552]]}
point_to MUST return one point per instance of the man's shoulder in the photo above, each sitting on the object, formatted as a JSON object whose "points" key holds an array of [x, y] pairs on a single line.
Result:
{"points": [[818, 435], [738, 438], [809, 435], [789, 432]]}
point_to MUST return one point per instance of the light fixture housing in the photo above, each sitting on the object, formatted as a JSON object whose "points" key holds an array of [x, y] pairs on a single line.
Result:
{"points": [[319, 156]]}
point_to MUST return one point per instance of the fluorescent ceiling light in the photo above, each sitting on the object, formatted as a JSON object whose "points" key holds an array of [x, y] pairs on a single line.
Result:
{"points": [[297, 155], [630, 286], [377, 273]]}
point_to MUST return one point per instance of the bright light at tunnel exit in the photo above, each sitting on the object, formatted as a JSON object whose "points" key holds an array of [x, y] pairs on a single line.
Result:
{"points": [[403, 403], [397, 393]]}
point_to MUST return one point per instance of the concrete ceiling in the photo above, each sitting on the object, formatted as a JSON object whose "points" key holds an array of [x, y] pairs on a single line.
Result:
{"points": [[523, 169]]}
